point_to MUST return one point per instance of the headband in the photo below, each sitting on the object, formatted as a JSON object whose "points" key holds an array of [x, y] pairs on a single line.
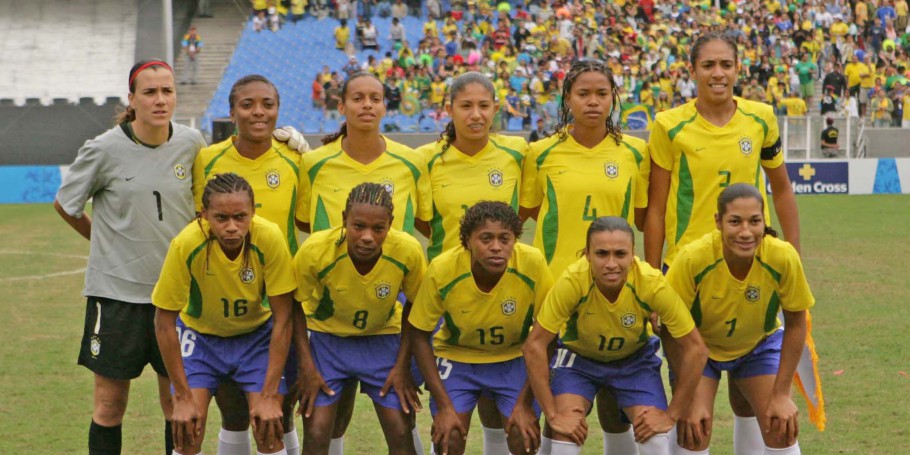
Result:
{"points": [[147, 65]]}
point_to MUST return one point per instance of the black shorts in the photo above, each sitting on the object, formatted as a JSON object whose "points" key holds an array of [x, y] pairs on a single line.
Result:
{"points": [[120, 341]]}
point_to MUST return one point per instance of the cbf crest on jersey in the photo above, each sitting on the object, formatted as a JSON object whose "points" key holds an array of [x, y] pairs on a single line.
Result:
{"points": [[611, 169], [95, 345], [753, 293], [389, 186], [628, 320], [509, 306], [273, 178], [246, 275], [180, 171], [745, 145], [495, 177], [383, 290]]}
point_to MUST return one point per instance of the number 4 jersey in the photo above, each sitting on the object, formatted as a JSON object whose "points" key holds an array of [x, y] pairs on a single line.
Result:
{"points": [[142, 197], [481, 327], [338, 300], [220, 296]]}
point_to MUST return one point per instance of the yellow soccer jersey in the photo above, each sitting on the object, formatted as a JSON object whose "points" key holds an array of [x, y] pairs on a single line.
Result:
{"points": [[573, 185], [592, 326], [273, 176], [734, 316], [459, 181], [481, 327], [703, 159], [328, 175], [219, 296], [339, 300]]}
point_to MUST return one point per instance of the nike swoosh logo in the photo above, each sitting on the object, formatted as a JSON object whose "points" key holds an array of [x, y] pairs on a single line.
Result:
{"points": [[335, 190], [445, 185], [561, 172], [129, 178], [699, 149], [464, 311], [715, 297]]}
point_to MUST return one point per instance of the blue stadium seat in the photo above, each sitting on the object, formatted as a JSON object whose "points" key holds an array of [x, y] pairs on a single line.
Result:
{"points": [[514, 124]]}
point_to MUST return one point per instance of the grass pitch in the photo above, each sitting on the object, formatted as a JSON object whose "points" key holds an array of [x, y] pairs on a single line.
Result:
{"points": [[854, 250]]}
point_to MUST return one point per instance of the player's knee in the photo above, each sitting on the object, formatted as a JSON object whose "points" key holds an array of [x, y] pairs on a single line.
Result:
{"points": [[399, 440], [613, 425], [109, 410]]}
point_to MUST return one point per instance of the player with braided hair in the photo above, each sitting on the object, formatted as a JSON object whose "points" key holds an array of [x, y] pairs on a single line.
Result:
{"points": [[359, 153], [224, 314], [349, 277], [585, 170]]}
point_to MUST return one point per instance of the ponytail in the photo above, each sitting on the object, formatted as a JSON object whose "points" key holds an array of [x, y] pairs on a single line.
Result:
{"points": [[329, 138]]}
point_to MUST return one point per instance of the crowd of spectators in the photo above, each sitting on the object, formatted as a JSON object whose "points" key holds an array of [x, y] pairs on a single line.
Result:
{"points": [[856, 51]]}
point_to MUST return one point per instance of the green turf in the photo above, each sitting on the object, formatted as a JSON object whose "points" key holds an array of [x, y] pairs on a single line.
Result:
{"points": [[854, 250]]}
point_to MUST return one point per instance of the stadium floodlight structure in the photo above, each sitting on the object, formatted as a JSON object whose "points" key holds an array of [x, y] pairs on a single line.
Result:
{"points": [[168, 25]]}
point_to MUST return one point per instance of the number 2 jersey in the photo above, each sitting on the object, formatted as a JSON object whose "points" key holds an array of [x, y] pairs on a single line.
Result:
{"points": [[338, 300], [220, 296], [733, 315], [573, 185], [704, 159], [481, 327], [594, 327]]}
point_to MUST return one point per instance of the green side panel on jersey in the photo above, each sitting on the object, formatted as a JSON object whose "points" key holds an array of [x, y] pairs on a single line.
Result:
{"points": [[414, 171], [291, 226], [289, 162], [758, 177], [774, 273], [771, 314], [396, 263], [639, 301], [265, 299], [448, 288], [321, 219], [513, 153], [526, 326], [527, 280], [514, 202], [208, 167], [627, 202], [701, 275], [757, 119], [433, 161], [437, 235], [259, 253], [326, 307], [408, 225], [679, 126], [316, 167], [696, 310], [194, 305], [322, 273], [454, 331], [543, 155], [550, 223], [635, 152], [571, 333], [685, 197], [643, 336]]}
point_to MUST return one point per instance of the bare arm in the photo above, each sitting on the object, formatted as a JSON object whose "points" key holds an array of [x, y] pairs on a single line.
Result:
{"points": [[311, 382], [446, 422], [302, 227], [694, 355], [82, 225], [780, 416], [422, 227], [524, 213], [784, 203], [186, 418], [266, 413], [658, 191]]}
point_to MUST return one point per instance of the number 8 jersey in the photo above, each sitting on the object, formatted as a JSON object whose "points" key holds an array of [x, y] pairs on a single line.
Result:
{"points": [[481, 327], [219, 296], [340, 301]]}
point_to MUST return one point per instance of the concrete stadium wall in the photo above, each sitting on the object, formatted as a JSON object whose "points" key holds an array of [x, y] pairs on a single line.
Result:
{"points": [[38, 184]]}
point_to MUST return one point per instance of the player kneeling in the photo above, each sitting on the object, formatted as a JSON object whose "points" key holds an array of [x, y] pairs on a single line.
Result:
{"points": [[600, 308], [216, 275]]}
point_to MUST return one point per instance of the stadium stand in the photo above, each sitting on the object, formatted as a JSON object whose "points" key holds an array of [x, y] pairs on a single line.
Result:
{"points": [[38, 63]]}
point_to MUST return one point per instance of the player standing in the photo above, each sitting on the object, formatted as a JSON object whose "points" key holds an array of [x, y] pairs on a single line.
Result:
{"points": [[138, 177]]}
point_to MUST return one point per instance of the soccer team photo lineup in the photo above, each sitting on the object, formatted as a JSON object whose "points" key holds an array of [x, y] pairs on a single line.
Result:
{"points": [[550, 227]]}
